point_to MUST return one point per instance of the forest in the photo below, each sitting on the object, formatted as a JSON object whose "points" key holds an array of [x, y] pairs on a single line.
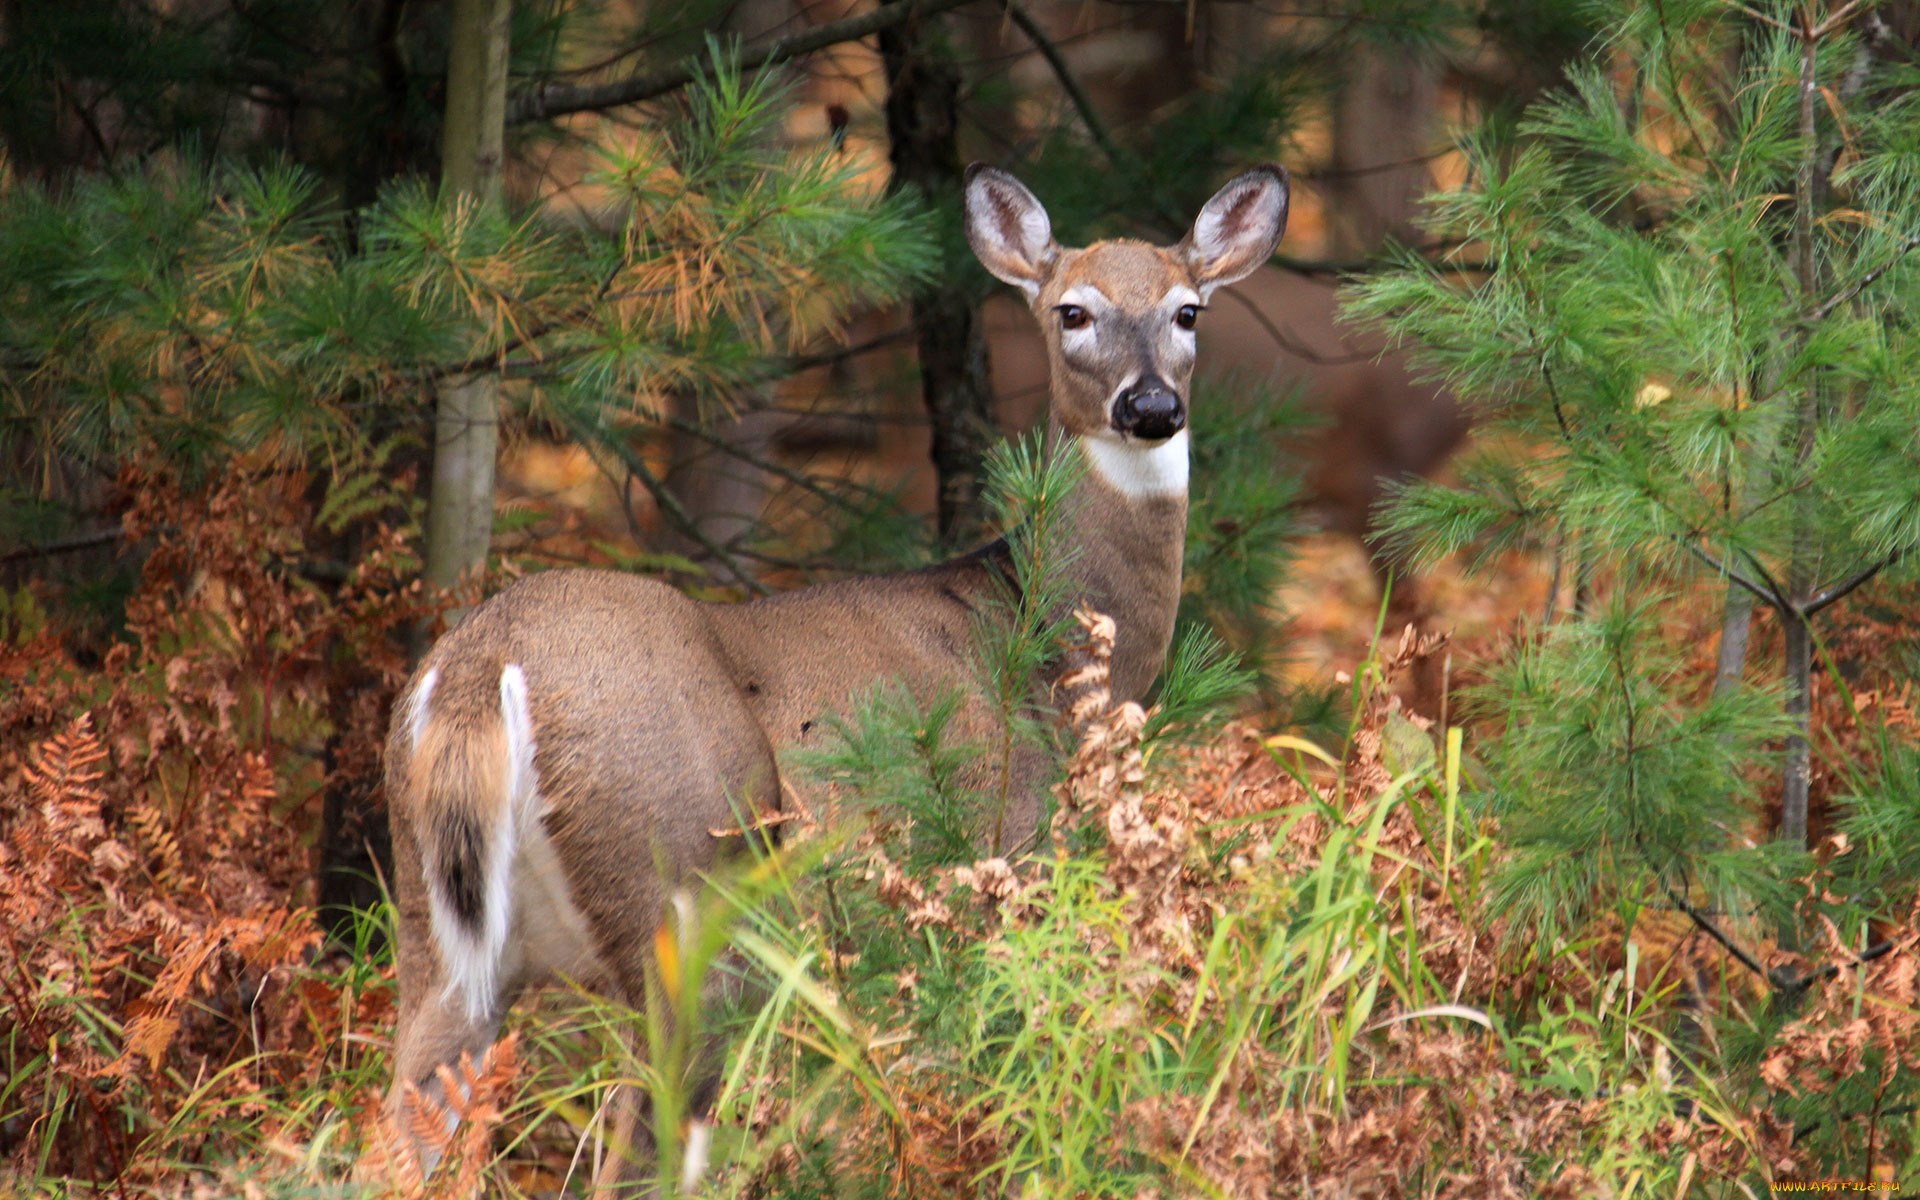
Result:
{"points": [[1525, 800]]}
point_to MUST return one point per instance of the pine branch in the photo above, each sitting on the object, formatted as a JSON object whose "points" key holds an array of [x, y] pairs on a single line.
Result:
{"points": [[1771, 594], [1866, 281], [554, 101], [1846, 586]]}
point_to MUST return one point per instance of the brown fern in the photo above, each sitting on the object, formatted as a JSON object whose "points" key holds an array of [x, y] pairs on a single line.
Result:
{"points": [[453, 1129]]}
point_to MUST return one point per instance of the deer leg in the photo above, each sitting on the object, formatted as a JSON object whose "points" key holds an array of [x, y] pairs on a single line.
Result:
{"points": [[433, 1031], [631, 1166], [629, 1144], [435, 1026]]}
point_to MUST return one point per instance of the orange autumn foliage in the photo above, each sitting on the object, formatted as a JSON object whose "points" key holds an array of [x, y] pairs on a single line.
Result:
{"points": [[157, 820]]}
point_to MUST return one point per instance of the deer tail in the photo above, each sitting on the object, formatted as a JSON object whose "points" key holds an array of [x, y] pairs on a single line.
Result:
{"points": [[471, 784]]}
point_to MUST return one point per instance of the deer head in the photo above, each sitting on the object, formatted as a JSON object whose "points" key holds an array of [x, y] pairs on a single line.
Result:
{"points": [[1119, 315]]}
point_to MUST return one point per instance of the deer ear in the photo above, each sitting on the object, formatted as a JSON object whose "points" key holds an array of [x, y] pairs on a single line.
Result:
{"points": [[1238, 229], [1008, 230]]}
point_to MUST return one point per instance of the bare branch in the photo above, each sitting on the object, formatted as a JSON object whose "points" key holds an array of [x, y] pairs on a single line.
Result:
{"points": [[674, 512], [1836, 20], [733, 450], [555, 101], [1866, 281], [1761, 17], [1291, 346], [1082, 103], [1781, 979], [1773, 597], [1840, 590], [1707, 927], [84, 541], [1875, 951]]}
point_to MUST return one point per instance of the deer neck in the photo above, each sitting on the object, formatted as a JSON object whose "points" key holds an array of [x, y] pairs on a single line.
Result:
{"points": [[1128, 520]]}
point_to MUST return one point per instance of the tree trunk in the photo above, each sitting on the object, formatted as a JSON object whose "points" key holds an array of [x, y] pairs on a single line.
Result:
{"points": [[1799, 772], [473, 141], [1736, 627], [1382, 131], [466, 420], [923, 97], [725, 494], [1809, 188]]}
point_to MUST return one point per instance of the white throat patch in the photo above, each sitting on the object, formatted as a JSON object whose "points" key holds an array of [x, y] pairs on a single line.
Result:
{"points": [[1137, 470]]}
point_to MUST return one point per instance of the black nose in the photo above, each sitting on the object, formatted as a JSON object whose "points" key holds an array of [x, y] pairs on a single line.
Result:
{"points": [[1149, 409]]}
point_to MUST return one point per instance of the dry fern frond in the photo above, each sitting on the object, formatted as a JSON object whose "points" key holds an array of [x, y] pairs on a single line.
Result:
{"points": [[63, 776], [453, 1129], [163, 846], [486, 1090]]}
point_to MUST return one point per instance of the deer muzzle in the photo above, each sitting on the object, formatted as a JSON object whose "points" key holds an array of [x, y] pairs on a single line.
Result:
{"points": [[1149, 410]]}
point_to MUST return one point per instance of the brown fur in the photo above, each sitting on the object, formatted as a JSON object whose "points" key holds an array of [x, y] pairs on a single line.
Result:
{"points": [[657, 719]]}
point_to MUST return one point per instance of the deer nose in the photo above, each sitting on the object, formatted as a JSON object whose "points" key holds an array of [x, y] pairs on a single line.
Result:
{"points": [[1149, 409]]}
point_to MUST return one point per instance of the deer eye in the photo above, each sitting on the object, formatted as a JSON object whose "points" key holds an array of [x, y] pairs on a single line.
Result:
{"points": [[1072, 316], [1188, 314]]}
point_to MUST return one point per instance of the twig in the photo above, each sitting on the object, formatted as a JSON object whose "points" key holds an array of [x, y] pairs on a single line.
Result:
{"points": [[694, 429], [778, 368], [1779, 978], [827, 358], [1841, 589], [1801, 1130], [527, 335], [552, 101], [1866, 281], [1773, 597], [1707, 927], [1877, 950], [1288, 344], [1082, 103], [676, 513], [1836, 19], [1680, 99], [811, 566], [1759, 16]]}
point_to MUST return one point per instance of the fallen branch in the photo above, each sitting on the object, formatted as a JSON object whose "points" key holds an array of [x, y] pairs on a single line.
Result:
{"points": [[83, 541]]}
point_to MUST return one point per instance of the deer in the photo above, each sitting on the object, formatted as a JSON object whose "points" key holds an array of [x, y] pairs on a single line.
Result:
{"points": [[562, 762]]}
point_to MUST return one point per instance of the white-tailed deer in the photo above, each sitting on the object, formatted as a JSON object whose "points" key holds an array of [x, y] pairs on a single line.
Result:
{"points": [[559, 761]]}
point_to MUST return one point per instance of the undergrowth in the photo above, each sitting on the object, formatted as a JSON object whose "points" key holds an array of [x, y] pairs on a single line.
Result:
{"points": [[1241, 963]]}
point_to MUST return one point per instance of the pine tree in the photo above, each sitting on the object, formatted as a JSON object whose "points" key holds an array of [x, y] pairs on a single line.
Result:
{"points": [[1682, 302]]}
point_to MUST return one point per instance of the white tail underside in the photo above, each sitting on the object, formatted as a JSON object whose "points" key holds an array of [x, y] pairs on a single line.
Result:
{"points": [[473, 962]]}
